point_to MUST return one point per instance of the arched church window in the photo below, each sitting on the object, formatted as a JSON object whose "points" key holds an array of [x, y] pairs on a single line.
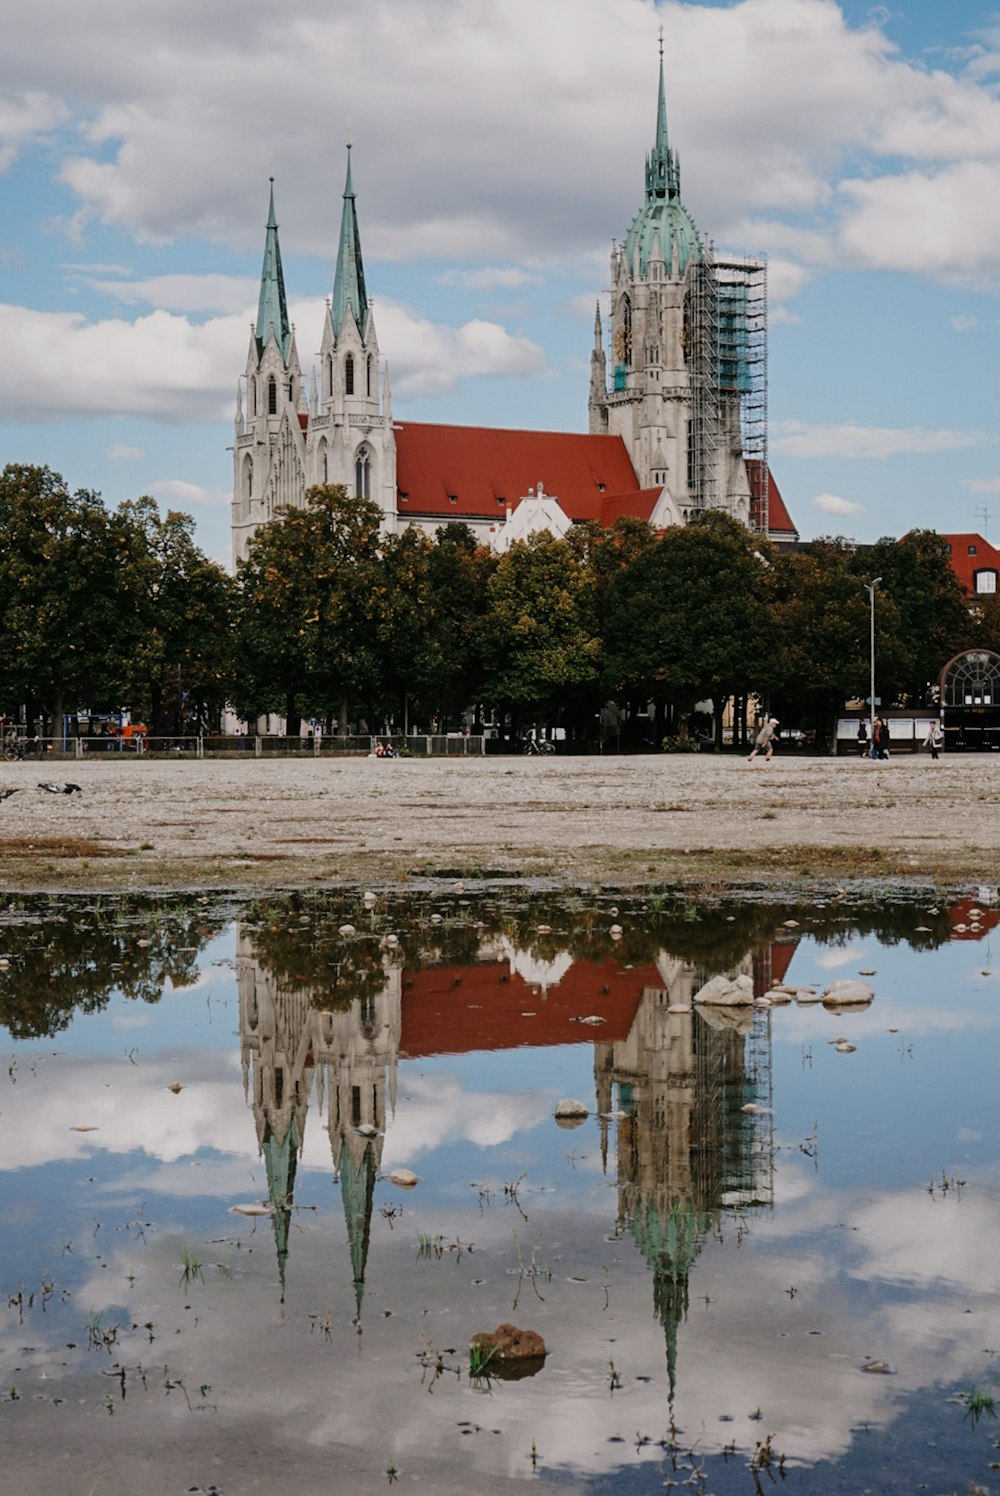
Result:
{"points": [[349, 374], [329, 376], [368, 376], [248, 478], [291, 388], [363, 474], [272, 396], [253, 397], [622, 338], [324, 462]]}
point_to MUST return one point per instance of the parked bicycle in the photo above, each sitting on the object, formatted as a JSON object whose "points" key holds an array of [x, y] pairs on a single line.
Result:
{"points": [[535, 744], [15, 747]]}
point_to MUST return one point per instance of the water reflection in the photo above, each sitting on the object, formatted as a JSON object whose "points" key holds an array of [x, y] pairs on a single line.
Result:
{"points": [[439, 1033]]}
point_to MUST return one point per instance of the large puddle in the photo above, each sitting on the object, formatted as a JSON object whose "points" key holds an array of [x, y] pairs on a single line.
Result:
{"points": [[767, 1257]]}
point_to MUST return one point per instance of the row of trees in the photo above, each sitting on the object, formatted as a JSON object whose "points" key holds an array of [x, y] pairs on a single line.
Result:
{"points": [[329, 618]]}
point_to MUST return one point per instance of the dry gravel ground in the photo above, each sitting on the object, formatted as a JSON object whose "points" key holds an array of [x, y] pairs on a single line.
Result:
{"points": [[698, 820]]}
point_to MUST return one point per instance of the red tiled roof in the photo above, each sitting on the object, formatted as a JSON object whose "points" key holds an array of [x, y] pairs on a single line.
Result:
{"points": [[969, 554], [455, 1009], [475, 472], [779, 521]]}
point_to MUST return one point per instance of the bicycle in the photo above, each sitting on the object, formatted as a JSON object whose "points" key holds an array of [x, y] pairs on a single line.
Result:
{"points": [[538, 745]]}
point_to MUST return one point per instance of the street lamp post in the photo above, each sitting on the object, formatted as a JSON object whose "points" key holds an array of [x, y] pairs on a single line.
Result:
{"points": [[870, 589]]}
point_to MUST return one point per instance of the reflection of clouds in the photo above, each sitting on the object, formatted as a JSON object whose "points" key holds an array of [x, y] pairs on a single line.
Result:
{"points": [[753, 1345], [130, 1106], [436, 1109], [843, 955]]}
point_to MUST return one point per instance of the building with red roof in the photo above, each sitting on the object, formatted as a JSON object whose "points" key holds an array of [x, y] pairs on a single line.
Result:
{"points": [[677, 410], [975, 563]]}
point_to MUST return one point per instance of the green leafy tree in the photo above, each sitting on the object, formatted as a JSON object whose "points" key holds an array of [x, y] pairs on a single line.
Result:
{"points": [[932, 618], [543, 648], [183, 658], [70, 606], [308, 608], [688, 617]]}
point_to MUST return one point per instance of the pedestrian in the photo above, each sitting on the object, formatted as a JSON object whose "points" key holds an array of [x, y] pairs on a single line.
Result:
{"points": [[862, 738], [765, 740], [876, 748], [883, 739], [934, 739]]}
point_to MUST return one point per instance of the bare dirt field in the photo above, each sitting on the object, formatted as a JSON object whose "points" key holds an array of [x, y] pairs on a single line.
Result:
{"points": [[696, 820]]}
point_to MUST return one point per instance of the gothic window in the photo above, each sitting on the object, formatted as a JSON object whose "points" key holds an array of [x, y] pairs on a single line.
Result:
{"points": [[622, 340], [324, 462], [329, 376], [363, 474], [248, 478], [253, 397], [272, 396], [291, 388], [349, 374], [368, 376]]}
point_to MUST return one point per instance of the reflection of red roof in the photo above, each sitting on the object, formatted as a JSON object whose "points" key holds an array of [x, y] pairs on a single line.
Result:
{"points": [[771, 963], [958, 914], [779, 521], [969, 554], [475, 472], [455, 1009]]}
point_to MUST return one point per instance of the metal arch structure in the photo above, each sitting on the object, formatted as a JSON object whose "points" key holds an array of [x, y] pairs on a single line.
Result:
{"points": [[969, 686]]}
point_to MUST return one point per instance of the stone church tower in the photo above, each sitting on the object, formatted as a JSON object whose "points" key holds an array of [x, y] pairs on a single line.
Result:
{"points": [[286, 443], [677, 386]]}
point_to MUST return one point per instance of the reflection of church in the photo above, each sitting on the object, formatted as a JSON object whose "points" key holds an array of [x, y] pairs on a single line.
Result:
{"points": [[676, 1076], [686, 1149], [288, 1046]]}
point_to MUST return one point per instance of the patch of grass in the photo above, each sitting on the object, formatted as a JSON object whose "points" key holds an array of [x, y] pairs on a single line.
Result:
{"points": [[979, 1404], [480, 1357], [191, 1269]]}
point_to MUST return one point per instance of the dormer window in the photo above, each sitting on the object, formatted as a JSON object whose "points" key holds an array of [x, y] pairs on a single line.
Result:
{"points": [[972, 550], [984, 582], [453, 498]]}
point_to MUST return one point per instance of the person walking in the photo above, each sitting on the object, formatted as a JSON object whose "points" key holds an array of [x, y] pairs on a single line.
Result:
{"points": [[764, 740], [883, 738], [934, 739], [862, 738]]}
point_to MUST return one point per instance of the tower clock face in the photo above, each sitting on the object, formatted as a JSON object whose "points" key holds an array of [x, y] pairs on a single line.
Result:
{"points": [[622, 342]]}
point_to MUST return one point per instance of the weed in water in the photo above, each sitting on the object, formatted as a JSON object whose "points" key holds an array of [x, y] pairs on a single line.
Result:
{"points": [[614, 1379], [190, 1270], [480, 1357], [979, 1404]]}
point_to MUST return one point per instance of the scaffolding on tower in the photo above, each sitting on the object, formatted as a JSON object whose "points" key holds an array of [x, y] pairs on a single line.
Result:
{"points": [[701, 334], [742, 300]]}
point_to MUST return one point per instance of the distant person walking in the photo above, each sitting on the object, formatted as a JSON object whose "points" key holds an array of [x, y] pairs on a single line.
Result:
{"points": [[876, 748], [934, 739], [765, 740], [883, 737], [862, 738]]}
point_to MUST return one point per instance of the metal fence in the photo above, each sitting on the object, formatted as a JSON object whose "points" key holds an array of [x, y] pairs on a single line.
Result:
{"points": [[246, 745]]}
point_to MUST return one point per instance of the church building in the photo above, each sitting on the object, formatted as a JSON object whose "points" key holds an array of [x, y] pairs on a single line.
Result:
{"points": [[677, 404]]}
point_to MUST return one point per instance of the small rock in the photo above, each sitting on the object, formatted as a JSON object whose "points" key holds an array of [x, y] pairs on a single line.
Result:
{"points": [[405, 1179], [347, 930], [508, 1343], [251, 1210], [879, 1368], [848, 992], [176, 1087], [569, 1107]]}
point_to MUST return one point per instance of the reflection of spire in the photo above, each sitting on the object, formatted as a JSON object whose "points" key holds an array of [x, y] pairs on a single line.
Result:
{"points": [[670, 1243], [684, 1147], [357, 1185], [280, 1159]]}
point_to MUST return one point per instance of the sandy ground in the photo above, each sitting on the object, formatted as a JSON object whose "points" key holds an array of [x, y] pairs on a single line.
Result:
{"points": [[698, 819]]}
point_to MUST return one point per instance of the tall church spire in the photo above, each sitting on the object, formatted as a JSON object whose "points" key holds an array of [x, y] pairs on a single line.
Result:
{"points": [[272, 311], [349, 281], [663, 169]]}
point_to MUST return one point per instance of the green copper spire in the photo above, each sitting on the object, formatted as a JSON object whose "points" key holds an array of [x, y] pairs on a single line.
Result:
{"points": [[663, 226], [663, 170], [349, 281], [272, 312]]}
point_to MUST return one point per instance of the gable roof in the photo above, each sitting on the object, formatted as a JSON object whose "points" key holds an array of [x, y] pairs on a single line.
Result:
{"points": [[477, 473], [969, 553], [779, 521]]}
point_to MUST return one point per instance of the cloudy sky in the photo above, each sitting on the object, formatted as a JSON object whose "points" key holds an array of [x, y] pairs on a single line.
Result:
{"points": [[498, 150]]}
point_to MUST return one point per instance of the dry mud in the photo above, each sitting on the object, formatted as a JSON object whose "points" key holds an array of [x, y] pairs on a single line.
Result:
{"points": [[697, 820]]}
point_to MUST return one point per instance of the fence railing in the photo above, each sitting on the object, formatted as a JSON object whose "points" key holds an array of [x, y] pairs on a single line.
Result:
{"points": [[244, 745]]}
